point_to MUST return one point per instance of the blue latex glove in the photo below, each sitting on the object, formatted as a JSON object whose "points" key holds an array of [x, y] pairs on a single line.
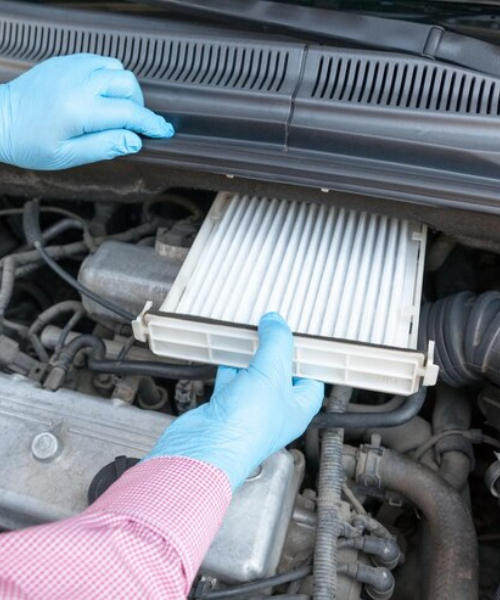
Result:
{"points": [[253, 412], [73, 110]]}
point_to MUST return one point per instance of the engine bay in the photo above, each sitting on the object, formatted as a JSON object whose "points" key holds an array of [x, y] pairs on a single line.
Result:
{"points": [[407, 483]]}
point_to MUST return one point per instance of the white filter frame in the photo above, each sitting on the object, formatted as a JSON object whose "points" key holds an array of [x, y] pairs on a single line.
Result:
{"points": [[348, 283]]}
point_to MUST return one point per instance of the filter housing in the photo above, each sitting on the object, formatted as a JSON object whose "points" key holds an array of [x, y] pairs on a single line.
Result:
{"points": [[348, 283]]}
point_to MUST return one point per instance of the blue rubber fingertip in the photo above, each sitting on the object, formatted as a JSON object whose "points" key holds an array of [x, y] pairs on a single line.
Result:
{"points": [[273, 316], [133, 145], [169, 130]]}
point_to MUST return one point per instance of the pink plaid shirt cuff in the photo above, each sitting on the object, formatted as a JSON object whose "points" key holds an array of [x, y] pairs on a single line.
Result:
{"points": [[144, 538]]}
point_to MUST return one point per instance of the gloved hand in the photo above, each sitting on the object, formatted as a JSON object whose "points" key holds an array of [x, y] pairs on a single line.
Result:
{"points": [[73, 110], [253, 412]]}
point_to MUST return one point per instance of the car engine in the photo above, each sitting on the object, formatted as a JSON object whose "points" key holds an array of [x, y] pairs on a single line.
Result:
{"points": [[386, 496]]}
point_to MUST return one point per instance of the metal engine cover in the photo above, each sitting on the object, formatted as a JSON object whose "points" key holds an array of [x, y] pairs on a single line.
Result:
{"points": [[53, 444]]}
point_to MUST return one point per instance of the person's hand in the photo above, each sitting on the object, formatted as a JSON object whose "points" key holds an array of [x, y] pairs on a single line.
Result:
{"points": [[73, 110], [253, 412]]}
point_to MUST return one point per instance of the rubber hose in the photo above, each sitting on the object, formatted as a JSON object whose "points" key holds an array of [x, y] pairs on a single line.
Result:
{"points": [[497, 593], [466, 329], [55, 311], [149, 392], [328, 524], [285, 597], [350, 420], [392, 404], [454, 564], [403, 438], [455, 469], [245, 589], [98, 363], [454, 454], [452, 411]]}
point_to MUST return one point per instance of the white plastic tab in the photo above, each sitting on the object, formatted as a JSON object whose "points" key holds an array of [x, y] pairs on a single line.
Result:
{"points": [[337, 276]]}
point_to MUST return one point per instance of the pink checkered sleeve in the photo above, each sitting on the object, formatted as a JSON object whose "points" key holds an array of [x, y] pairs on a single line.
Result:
{"points": [[144, 538]]}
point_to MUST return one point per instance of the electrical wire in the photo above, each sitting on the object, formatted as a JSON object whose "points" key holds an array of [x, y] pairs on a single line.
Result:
{"points": [[21, 330], [283, 597], [34, 237], [52, 313], [18, 265], [352, 498], [8, 212], [118, 310], [245, 589], [476, 436], [73, 321], [33, 234], [29, 261]]}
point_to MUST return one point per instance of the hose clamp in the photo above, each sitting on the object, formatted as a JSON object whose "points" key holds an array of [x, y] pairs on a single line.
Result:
{"points": [[368, 464]]}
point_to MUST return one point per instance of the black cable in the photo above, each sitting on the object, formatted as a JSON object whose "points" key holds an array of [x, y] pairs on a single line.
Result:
{"points": [[283, 597], [238, 591], [349, 420], [97, 362], [118, 310], [34, 237]]}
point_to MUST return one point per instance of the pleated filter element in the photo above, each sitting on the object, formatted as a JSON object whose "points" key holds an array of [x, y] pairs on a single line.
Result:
{"points": [[348, 283]]}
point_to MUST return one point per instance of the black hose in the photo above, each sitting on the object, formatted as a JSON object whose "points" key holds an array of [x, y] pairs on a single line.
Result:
{"points": [[454, 561], [466, 329], [497, 593], [283, 597], [350, 420], [71, 281], [149, 392], [245, 589], [392, 404], [34, 237], [452, 412], [98, 362], [55, 311]]}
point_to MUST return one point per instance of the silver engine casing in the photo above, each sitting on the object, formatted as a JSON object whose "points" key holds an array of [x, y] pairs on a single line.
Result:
{"points": [[53, 444]]}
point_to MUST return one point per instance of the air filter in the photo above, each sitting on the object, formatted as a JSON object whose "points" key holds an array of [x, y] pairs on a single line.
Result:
{"points": [[348, 283]]}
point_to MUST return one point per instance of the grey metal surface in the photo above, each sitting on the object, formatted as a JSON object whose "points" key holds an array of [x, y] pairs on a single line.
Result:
{"points": [[252, 537], [52, 445], [127, 275]]}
